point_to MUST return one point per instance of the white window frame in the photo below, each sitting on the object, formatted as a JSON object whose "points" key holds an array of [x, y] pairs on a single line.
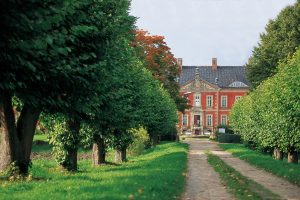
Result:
{"points": [[187, 119], [224, 119], [209, 101], [207, 120], [224, 101], [197, 100], [236, 98]]}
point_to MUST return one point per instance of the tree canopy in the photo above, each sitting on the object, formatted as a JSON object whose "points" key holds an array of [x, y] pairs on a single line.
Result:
{"points": [[269, 116], [160, 62], [277, 44], [74, 62]]}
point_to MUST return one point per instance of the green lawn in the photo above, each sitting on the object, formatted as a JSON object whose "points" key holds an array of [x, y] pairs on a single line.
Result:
{"points": [[157, 174], [283, 169], [41, 137], [238, 185]]}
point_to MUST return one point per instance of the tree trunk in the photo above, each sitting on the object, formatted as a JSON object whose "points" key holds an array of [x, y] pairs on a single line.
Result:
{"points": [[158, 139], [17, 138], [278, 155], [177, 138], [99, 152], [26, 126], [5, 153], [293, 157], [70, 164], [154, 140], [120, 155]]}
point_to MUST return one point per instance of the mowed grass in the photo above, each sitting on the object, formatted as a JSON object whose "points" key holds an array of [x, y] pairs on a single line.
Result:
{"points": [[41, 137], [289, 171], [41, 144], [237, 184], [157, 174]]}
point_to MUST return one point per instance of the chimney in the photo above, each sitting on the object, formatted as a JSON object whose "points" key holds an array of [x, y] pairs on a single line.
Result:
{"points": [[179, 62], [214, 64]]}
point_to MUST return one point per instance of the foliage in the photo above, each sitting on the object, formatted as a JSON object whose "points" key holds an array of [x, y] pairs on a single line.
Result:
{"points": [[237, 184], [140, 142], [228, 138], [289, 171], [278, 44], [160, 62], [137, 179], [73, 61], [269, 116], [61, 139], [53, 61]]}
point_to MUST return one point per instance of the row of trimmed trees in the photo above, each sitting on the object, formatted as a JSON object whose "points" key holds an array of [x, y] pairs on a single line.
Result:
{"points": [[269, 116], [74, 63]]}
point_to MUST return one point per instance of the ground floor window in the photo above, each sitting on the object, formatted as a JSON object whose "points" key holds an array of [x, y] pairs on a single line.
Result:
{"points": [[209, 120], [184, 120], [224, 120]]}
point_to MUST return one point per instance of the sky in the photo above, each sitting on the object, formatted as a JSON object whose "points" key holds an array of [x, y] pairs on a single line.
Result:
{"points": [[198, 30]]}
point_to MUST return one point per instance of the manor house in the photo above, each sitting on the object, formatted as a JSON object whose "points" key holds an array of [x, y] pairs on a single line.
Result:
{"points": [[211, 91]]}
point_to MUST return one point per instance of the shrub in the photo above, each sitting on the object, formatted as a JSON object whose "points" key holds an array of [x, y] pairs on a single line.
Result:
{"points": [[228, 138], [141, 141]]}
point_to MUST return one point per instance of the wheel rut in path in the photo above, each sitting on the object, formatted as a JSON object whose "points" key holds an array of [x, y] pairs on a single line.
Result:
{"points": [[203, 183], [277, 185]]}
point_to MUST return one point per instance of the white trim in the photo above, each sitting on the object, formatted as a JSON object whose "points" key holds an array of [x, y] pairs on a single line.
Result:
{"points": [[236, 98], [226, 101], [197, 100], [187, 119], [211, 119], [207, 100], [226, 120]]}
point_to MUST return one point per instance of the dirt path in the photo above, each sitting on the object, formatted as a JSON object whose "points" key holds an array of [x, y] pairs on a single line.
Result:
{"points": [[277, 185], [203, 182]]}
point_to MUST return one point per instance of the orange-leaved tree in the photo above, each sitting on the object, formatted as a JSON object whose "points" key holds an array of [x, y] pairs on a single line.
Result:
{"points": [[158, 59]]}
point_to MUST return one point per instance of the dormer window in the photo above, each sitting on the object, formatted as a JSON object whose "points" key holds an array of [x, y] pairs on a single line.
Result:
{"points": [[238, 84]]}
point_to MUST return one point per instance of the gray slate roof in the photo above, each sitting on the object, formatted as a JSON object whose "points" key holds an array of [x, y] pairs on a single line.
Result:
{"points": [[226, 75]]}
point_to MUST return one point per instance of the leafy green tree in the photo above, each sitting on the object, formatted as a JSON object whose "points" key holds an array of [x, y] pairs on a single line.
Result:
{"points": [[53, 63], [276, 45], [270, 114], [160, 117], [285, 102], [159, 60]]}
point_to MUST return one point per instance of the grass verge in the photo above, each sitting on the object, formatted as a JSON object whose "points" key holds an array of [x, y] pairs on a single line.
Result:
{"points": [[238, 185], [289, 171], [157, 174]]}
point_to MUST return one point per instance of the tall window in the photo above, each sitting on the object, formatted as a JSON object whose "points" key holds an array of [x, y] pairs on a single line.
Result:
{"points": [[197, 100], [209, 120], [224, 120], [184, 120], [237, 98], [209, 101], [223, 101]]}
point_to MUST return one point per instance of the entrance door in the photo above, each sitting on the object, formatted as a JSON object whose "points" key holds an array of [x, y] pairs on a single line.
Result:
{"points": [[197, 120]]}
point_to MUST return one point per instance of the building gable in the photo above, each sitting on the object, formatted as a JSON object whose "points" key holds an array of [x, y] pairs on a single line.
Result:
{"points": [[197, 85]]}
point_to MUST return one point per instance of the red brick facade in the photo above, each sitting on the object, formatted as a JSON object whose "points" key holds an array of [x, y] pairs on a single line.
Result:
{"points": [[210, 102]]}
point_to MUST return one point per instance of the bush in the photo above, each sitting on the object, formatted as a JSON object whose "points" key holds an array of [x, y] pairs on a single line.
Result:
{"points": [[170, 137], [141, 141], [228, 138]]}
